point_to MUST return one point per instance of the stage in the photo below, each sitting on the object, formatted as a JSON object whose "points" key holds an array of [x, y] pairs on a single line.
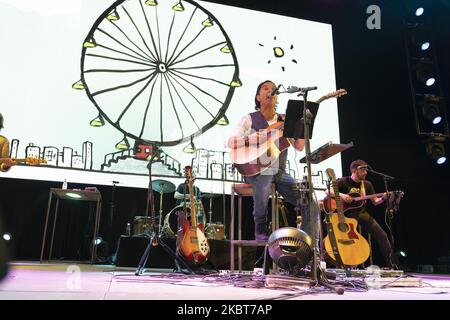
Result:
{"points": [[65, 281]]}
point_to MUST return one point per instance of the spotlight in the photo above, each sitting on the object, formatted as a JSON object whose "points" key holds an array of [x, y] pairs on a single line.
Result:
{"points": [[102, 248], [290, 248], [74, 195], [7, 236], [419, 36], [435, 149], [190, 148], [425, 72], [419, 11], [400, 259], [430, 108], [98, 241]]}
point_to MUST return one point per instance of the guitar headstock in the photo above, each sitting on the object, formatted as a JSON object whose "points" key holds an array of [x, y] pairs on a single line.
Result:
{"points": [[334, 94], [330, 173], [188, 173]]}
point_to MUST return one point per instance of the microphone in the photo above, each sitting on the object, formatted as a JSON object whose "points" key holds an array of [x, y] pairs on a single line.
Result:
{"points": [[292, 89], [275, 91]]}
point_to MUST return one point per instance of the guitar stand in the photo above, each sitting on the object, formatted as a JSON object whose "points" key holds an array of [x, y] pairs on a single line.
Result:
{"points": [[155, 241]]}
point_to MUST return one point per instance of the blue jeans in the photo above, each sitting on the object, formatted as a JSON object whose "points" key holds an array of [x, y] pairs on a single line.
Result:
{"points": [[284, 184]]}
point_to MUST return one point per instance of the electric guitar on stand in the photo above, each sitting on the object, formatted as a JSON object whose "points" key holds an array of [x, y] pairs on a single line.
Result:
{"points": [[194, 245], [252, 159], [343, 244]]}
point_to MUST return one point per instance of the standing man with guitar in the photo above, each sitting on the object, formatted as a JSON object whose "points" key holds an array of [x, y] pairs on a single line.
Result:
{"points": [[355, 186], [259, 152], [5, 161]]}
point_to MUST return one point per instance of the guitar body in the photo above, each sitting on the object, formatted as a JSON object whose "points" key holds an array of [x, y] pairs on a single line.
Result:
{"points": [[353, 247], [194, 246], [343, 244], [253, 159]]}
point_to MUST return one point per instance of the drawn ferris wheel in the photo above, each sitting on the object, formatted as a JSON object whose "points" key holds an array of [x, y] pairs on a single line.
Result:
{"points": [[161, 72]]}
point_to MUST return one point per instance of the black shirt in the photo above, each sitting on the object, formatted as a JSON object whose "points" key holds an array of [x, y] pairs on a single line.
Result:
{"points": [[349, 186]]}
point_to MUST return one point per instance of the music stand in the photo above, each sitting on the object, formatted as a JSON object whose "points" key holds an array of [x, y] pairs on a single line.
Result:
{"points": [[293, 122], [326, 151], [155, 240]]}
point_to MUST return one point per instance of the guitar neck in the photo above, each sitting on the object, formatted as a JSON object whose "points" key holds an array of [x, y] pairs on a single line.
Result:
{"points": [[370, 196], [192, 204], [2, 160], [339, 206]]}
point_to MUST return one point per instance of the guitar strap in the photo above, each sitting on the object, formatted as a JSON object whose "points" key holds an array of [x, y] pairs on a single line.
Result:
{"points": [[333, 241], [363, 188]]}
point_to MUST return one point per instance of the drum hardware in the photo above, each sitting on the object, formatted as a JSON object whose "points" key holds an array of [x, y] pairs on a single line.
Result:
{"points": [[215, 231], [209, 230], [170, 224], [162, 186], [141, 225]]}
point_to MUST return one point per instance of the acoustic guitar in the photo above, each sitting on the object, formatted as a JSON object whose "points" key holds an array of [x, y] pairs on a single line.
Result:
{"points": [[194, 245], [352, 247], [358, 201], [253, 159]]}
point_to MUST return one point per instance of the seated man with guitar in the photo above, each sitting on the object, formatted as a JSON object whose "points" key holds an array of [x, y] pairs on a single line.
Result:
{"points": [[259, 152], [354, 190]]}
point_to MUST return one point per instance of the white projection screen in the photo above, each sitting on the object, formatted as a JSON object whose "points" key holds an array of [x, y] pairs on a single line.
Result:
{"points": [[162, 73]]}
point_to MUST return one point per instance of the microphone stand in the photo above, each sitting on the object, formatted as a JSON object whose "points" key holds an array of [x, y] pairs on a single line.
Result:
{"points": [[389, 210], [313, 212], [307, 116]]}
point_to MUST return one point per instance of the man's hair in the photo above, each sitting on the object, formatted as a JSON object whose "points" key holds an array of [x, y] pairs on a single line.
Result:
{"points": [[355, 164], [1, 121], [257, 105]]}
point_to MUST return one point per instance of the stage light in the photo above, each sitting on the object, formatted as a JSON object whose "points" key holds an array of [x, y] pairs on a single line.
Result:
{"points": [[419, 36], [430, 108], [419, 11], [7, 236], [74, 195], [436, 150], [425, 46], [290, 248], [98, 241], [425, 72], [190, 148], [400, 259]]}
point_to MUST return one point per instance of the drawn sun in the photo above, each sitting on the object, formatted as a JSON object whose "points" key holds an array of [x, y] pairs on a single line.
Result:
{"points": [[279, 53]]}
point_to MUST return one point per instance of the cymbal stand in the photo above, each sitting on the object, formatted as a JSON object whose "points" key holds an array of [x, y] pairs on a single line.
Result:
{"points": [[161, 188]]}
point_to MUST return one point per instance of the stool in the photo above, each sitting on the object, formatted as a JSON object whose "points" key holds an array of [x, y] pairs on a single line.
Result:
{"points": [[246, 190], [74, 195]]}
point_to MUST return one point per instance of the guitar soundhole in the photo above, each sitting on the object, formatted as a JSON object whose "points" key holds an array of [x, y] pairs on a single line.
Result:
{"points": [[343, 227]]}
